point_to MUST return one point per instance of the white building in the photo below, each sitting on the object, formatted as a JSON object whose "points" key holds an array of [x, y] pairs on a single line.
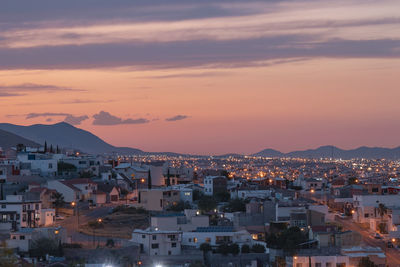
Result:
{"points": [[156, 242], [216, 235], [69, 191], [39, 163], [317, 261], [187, 222], [17, 212], [214, 184]]}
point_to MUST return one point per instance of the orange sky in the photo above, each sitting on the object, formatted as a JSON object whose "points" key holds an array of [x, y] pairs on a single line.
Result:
{"points": [[286, 76]]}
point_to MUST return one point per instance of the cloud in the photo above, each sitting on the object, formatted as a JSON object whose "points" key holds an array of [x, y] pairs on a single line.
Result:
{"points": [[26, 88], [105, 118], [69, 118], [75, 120], [177, 118], [45, 114]]}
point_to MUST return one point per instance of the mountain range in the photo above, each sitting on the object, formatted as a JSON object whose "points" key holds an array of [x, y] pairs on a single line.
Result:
{"points": [[335, 152], [67, 136]]}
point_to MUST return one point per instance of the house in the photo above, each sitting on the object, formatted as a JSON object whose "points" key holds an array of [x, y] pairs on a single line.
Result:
{"points": [[36, 163], [85, 185], [153, 241], [70, 192], [318, 260], [157, 199], [186, 222], [214, 185], [375, 254], [16, 212], [215, 236], [23, 239]]}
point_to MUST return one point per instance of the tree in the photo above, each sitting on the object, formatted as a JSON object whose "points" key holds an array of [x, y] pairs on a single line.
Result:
{"points": [[44, 246], [366, 262], [352, 180], [205, 247], [51, 148], [180, 206], [245, 249], [149, 184], [222, 196], [58, 200], [236, 204], [257, 248], [207, 203], [288, 240], [45, 146], [7, 257], [168, 178], [234, 249], [58, 150], [197, 195], [65, 167], [223, 249]]}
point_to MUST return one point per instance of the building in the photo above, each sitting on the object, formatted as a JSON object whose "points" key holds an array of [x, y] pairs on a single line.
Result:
{"points": [[215, 184], [186, 222], [157, 199], [215, 236], [17, 212], [153, 241]]}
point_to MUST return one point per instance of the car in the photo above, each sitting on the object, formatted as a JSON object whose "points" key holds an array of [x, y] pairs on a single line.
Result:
{"points": [[59, 217], [377, 236]]}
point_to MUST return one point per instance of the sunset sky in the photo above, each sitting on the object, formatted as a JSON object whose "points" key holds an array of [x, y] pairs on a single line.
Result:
{"points": [[206, 77]]}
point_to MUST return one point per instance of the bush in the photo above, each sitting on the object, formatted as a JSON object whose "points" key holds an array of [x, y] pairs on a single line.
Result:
{"points": [[223, 249], [205, 247], [234, 249], [245, 249], [72, 245], [257, 248]]}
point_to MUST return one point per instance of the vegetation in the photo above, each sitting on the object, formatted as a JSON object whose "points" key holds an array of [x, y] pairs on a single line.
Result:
{"points": [[7, 257], [58, 200], [45, 246], [65, 167], [207, 203], [196, 264], [245, 249], [86, 174], [288, 240], [180, 206], [235, 204], [222, 196], [257, 248], [197, 195], [129, 210], [226, 249], [352, 180]]}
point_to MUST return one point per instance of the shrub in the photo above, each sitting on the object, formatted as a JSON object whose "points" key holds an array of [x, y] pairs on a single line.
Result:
{"points": [[245, 249], [257, 248]]}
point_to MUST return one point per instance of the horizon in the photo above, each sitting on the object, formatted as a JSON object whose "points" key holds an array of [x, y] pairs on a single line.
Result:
{"points": [[242, 154], [206, 77]]}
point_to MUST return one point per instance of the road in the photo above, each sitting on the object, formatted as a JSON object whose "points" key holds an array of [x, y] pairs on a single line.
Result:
{"points": [[70, 223], [392, 254]]}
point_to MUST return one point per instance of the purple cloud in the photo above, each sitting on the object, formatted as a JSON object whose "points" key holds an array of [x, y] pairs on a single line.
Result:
{"points": [[105, 118], [177, 118]]}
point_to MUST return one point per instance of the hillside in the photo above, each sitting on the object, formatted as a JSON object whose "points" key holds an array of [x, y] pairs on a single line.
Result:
{"points": [[66, 136], [8, 140]]}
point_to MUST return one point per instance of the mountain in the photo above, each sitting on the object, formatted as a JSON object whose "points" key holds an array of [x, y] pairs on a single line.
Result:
{"points": [[66, 136], [270, 153], [8, 140], [335, 152]]}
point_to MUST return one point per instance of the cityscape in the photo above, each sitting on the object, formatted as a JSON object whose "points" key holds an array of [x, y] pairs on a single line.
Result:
{"points": [[189, 133]]}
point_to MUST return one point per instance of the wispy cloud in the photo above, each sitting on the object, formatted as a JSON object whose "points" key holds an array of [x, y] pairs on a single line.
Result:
{"points": [[27, 88], [105, 118], [69, 118], [177, 118]]}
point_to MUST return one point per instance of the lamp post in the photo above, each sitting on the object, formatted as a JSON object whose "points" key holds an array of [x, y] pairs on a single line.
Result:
{"points": [[76, 212], [99, 221]]}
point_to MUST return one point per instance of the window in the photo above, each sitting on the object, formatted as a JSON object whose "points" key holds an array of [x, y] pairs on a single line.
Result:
{"points": [[24, 217], [318, 264], [154, 246], [143, 236], [154, 237], [21, 237], [50, 165], [14, 237], [366, 215], [208, 240], [23, 207], [328, 264], [375, 189], [340, 264], [36, 206], [195, 240], [171, 236], [3, 206], [173, 245], [190, 240], [299, 265]]}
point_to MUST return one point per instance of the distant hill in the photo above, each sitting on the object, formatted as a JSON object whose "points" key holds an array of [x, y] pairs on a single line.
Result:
{"points": [[8, 140], [335, 152], [66, 136]]}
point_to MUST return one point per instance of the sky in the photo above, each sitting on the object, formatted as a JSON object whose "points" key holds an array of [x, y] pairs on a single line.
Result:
{"points": [[205, 77]]}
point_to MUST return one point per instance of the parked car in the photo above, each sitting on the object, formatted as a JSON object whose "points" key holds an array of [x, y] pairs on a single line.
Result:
{"points": [[377, 236], [59, 217]]}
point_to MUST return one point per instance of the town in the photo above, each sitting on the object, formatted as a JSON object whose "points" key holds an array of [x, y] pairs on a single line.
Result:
{"points": [[66, 207]]}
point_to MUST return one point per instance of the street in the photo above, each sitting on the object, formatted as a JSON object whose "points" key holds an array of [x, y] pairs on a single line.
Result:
{"points": [[392, 254]]}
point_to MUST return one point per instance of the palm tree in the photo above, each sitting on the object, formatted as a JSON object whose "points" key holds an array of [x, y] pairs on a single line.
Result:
{"points": [[58, 200]]}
